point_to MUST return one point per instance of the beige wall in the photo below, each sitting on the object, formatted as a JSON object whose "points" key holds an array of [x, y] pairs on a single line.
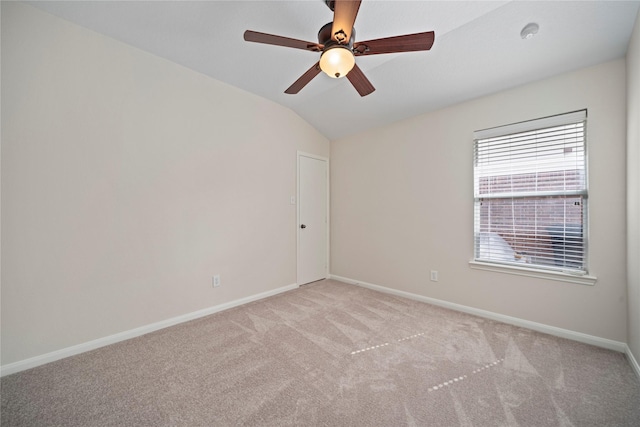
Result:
{"points": [[127, 182], [402, 205], [633, 188]]}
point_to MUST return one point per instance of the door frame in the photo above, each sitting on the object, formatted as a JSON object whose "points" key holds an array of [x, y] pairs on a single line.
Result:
{"points": [[328, 228]]}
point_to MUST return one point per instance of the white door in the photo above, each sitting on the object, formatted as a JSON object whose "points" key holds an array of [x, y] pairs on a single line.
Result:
{"points": [[312, 218]]}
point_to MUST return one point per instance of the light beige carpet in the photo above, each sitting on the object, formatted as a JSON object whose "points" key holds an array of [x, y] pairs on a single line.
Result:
{"points": [[331, 354]]}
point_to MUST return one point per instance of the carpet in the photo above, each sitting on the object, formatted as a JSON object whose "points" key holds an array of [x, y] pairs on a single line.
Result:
{"points": [[331, 354]]}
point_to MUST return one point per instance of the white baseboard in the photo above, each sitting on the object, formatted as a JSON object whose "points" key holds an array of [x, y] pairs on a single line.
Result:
{"points": [[32, 362], [540, 327], [22, 365], [633, 361]]}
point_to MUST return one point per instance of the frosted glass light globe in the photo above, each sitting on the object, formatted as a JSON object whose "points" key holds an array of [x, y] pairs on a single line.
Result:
{"points": [[337, 61]]}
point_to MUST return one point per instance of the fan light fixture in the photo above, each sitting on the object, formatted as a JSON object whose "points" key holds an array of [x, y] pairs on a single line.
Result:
{"points": [[338, 48], [337, 61]]}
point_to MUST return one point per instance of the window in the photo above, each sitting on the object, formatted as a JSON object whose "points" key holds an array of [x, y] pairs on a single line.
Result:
{"points": [[530, 194]]}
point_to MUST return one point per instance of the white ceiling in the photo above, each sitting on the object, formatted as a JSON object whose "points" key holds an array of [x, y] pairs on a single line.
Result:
{"points": [[477, 51]]}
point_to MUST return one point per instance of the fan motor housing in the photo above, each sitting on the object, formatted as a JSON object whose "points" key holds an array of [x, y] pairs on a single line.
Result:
{"points": [[324, 36]]}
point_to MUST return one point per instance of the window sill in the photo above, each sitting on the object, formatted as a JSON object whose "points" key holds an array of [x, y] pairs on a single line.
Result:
{"points": [[532, 272]]}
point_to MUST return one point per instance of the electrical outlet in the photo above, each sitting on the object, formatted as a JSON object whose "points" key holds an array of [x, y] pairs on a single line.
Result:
{"points": [[434, 276], [216, 281]]}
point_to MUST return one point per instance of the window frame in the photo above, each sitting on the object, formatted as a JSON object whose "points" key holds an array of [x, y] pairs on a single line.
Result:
{"points": [[536, 270]]}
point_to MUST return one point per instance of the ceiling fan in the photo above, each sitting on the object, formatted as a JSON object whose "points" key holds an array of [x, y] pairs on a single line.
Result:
{"points": [[336, 42]]}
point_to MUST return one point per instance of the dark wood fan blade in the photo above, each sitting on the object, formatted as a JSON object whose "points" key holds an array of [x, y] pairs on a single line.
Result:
{"points": [[304, 79], [254, 36], [406, 43], [360, 81], [344, 15]]}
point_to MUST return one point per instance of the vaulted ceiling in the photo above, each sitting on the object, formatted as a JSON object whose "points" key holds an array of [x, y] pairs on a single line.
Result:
{"points": [[478, 49]]}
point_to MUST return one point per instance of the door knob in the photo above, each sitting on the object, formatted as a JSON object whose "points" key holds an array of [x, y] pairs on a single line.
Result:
{"points": [[303, 226]]}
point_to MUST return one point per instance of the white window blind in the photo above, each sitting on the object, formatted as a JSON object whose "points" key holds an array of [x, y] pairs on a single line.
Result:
{"points": [[530, 193]]}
